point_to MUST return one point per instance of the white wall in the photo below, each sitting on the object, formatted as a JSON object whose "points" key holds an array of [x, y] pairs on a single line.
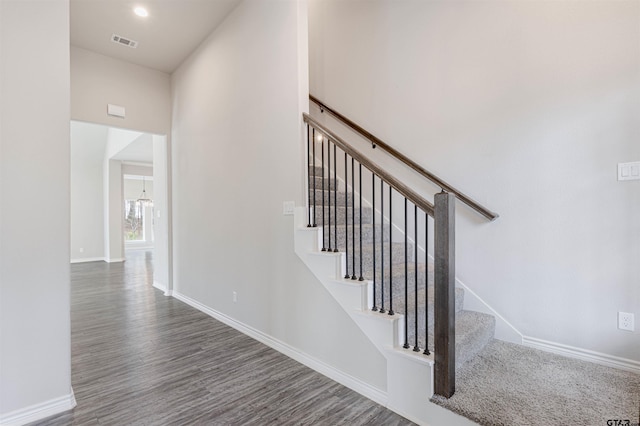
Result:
{"points": [[87, 216], [526, 106], [34, 207], [98, 80], [237, 155], [161, 224], [113, 210]]}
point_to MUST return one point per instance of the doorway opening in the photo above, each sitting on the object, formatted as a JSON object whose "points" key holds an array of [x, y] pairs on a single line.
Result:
{"points": [[120, 197]]}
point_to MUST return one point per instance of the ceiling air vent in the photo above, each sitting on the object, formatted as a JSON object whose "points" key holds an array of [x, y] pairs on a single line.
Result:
{"points": [[124, 41]]}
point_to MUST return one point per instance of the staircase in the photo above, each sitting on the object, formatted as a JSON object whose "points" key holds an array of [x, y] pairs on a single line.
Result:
{"points": [[367, 237], [473, 329], [410, 369], [392, 269]]}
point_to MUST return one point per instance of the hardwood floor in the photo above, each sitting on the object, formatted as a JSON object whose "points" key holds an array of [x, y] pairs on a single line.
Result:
{"points": [[140, 358]]}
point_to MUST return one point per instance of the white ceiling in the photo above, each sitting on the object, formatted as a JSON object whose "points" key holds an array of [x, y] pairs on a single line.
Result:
{"points": [[173, 29]]}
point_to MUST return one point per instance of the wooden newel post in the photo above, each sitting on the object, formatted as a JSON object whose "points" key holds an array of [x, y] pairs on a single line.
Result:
{"points": [[445, 275]]}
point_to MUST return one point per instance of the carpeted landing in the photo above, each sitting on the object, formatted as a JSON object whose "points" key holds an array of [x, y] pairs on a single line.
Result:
{"points": [[508, 384]]}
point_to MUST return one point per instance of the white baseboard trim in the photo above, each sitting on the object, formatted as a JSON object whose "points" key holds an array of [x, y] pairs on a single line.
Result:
{"points": [[39, 411], [160, 287], [114, 260], [583, 354], [329, 371], [88, 259]]}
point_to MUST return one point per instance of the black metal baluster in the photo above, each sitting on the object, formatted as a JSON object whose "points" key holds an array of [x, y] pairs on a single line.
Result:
{"points": [[390, 252], [373, 209], [322, 185], [406, 282], [346, 218], [309, 177], [382, 311], [313, 144], [426, 284], [361, 278], [329, 188], [335, 196], [415, 274], [353, 220]]}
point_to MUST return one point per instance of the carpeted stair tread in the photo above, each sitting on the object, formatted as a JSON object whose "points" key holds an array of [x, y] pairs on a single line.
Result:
{"points": [[316, 170], [340, 197], [473, 331], [343, 213], [399, 308], [344, 232], [398, 275], [397, 272], [329, 182], [395, 251], [398, 303]]}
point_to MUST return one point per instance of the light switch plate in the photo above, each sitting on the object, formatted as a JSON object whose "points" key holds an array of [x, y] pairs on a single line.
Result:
{"points": [[629, 171], [288, 207]]}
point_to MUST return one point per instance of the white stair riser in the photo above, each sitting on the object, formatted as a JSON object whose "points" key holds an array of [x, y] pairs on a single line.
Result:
{"points": [[384, 331]]}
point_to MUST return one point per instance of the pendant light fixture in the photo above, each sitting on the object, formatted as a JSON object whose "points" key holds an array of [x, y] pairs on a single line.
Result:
{"points": [[144, 199]]}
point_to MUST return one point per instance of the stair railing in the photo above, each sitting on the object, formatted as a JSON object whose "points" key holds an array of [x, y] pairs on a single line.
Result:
{"points": [[334, 177]]}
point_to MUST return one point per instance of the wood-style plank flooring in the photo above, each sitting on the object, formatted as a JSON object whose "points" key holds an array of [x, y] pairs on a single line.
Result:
{"points": [[140, 358]]}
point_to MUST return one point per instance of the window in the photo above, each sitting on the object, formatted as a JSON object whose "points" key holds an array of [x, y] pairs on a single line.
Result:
{"points": [[133, 220]]}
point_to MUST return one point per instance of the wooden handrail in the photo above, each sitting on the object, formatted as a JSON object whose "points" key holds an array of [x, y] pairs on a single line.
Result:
{"points": [[403, 189], [407, 161]]}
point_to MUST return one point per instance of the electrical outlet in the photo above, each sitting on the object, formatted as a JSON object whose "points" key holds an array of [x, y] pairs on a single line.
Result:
{"points": [[625, 321], [235, 297], [81, 250]]}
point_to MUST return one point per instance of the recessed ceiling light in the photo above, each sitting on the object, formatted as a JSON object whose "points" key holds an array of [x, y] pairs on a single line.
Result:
{"points": [[141, 11]]}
